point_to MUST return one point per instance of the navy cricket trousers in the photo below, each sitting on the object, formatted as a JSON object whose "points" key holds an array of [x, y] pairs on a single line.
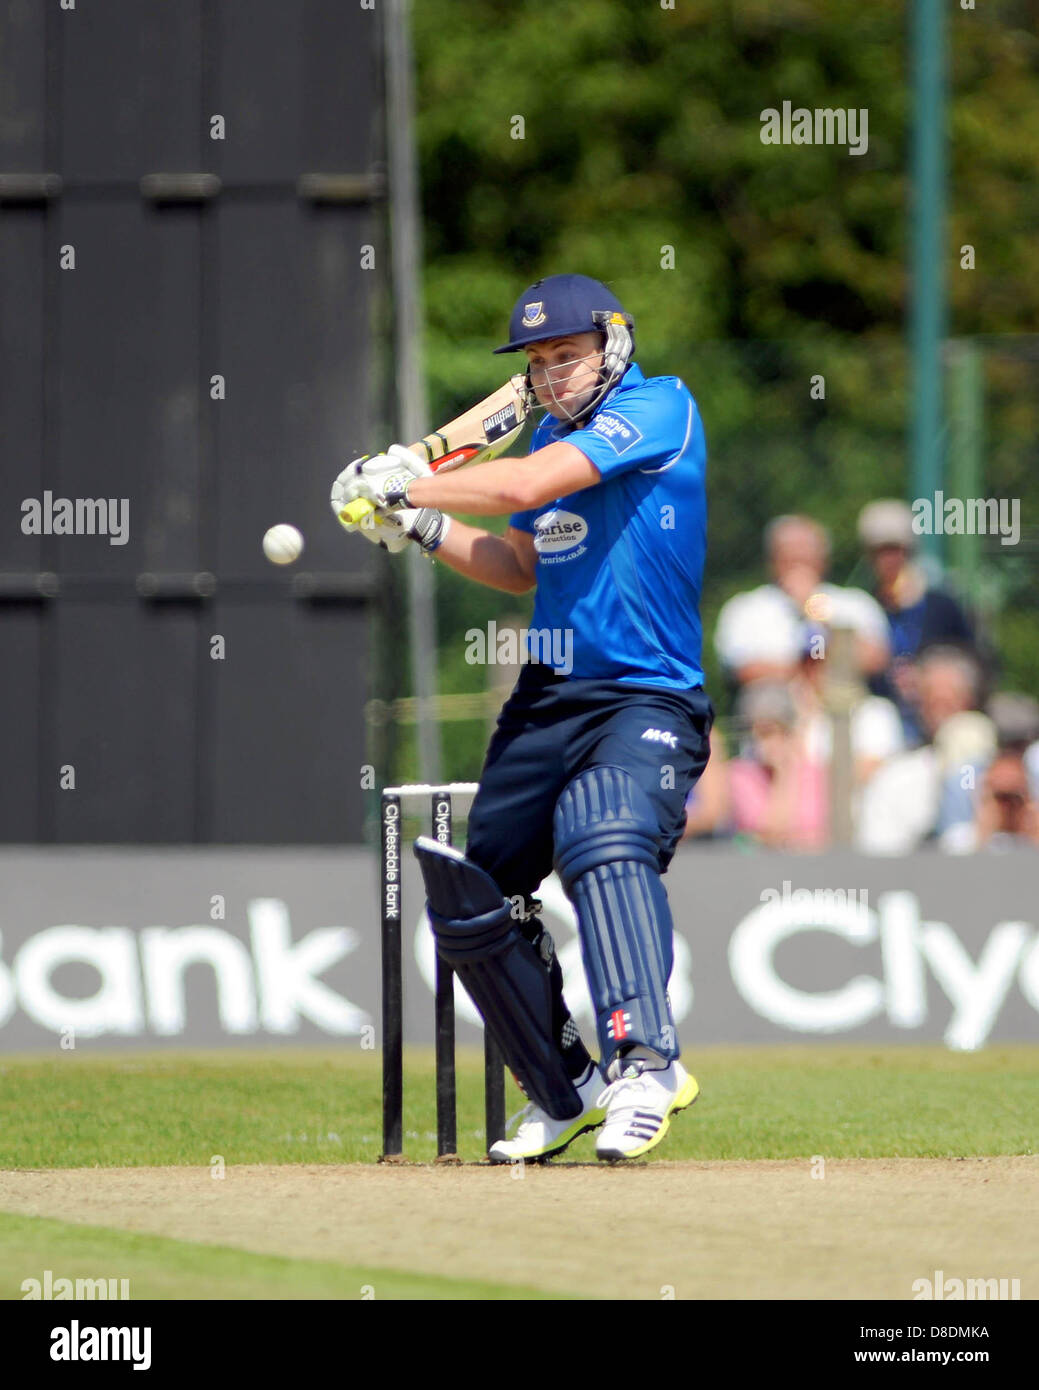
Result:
{"points": [[553, 727]]}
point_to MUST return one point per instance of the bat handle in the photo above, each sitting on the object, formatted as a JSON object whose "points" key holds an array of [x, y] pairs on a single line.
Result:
{"points": [[356, 511]]}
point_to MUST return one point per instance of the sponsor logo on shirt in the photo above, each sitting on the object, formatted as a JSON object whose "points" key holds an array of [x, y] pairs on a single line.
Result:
{"points": [[560, 535], [619, 433]]}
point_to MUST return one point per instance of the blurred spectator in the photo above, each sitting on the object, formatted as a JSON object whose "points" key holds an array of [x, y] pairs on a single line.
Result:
{"points": [[919, 614], [1007, 815], [707, 810], [1015, 719], [876, 730], [760, 633], [906, 802], [778, 792], [779, 785]]}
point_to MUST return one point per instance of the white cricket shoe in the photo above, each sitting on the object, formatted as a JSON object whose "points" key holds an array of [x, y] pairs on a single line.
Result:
{"points": [[539, 1136], [639, 1105]]}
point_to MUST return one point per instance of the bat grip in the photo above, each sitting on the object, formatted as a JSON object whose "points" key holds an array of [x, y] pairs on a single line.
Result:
{"points": [[356, 510]]}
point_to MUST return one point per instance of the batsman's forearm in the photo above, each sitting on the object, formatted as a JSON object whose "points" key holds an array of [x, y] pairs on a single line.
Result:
{"points": [[501, 486], [482, 489], [482, 556]]}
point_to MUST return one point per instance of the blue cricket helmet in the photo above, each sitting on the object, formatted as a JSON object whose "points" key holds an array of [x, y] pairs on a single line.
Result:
{"points": [[560, 306], [564, 305]]}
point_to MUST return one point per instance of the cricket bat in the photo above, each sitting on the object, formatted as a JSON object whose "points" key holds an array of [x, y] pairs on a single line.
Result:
{"points": [[483, 432]]}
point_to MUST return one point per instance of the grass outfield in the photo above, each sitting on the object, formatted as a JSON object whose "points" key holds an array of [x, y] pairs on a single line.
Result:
{"points": [[83, 1108], [158, 1267]]}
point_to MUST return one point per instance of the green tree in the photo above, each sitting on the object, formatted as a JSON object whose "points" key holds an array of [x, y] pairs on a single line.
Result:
{"points": [[750, 268]]}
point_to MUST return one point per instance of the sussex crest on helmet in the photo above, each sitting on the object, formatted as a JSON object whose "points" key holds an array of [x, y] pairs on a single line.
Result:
{"points": [[534, 314]]}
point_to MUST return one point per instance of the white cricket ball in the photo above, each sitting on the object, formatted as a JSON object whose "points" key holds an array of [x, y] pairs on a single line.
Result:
{"points": [[283, 544]]}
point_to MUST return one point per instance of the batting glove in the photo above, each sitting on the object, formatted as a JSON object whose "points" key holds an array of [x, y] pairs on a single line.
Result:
{"points": [[382, 479], [393, 530], [383, 530]]}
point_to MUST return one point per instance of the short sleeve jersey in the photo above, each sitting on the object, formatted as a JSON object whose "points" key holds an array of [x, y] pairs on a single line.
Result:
{"points": [[620, 564]]}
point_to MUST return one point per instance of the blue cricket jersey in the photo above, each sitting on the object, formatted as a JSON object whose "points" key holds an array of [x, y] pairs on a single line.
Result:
{"points": [[620, 564]]}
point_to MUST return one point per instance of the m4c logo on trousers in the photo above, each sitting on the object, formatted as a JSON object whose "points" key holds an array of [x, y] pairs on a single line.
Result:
{"points": [[661, 736]]}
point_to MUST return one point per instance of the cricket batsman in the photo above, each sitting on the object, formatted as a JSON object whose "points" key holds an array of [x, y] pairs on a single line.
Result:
{"points": [[606, 731]]}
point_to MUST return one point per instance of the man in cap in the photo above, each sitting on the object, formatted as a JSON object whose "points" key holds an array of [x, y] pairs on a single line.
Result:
{"points": [[761, 632], [604, 734], [919, 615]]}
